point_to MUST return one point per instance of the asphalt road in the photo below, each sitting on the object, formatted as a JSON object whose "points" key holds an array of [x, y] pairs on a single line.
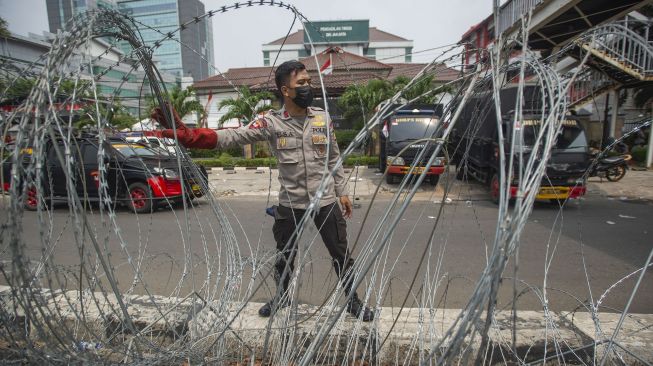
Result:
{"points": [[591, 245]]}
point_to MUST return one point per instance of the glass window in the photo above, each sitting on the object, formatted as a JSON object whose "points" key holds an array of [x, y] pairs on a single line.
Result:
{"points": [[90, 154], [569, 138], [412, 128], [147, 6], [130, 150]]}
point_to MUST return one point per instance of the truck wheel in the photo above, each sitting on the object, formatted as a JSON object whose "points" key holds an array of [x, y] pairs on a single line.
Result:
{"points": [[139, 197], [616, 173], [494, 188], [433, 179]]}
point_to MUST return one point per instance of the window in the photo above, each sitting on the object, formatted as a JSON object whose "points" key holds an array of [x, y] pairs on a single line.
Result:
{"points": [[129, 150], [412, 128], [90, 154], [409, 54]]}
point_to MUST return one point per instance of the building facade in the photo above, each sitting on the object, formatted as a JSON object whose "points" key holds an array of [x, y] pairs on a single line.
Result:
{"points": [[352, 36], [155, 18], [348, 69], [195, 60], [122, 80], [61, 11]]}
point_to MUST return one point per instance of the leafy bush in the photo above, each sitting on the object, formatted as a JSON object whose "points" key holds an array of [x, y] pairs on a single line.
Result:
{"points": [[345, 137], [639, 153], [227, 161], [203, 153], [354, 160], [236, 151]]}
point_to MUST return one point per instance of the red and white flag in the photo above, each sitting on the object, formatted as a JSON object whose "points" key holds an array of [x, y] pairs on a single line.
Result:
{"points": [[385, 129], [327, 67]]}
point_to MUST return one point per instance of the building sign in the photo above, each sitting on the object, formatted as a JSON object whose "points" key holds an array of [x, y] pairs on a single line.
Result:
{"points": [[337, 32]]}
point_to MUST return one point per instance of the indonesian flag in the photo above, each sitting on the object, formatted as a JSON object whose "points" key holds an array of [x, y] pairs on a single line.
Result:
{"points": [[327, 67], [385, 129]]}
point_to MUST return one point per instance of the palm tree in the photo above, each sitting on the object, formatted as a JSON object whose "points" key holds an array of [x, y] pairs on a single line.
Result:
{"points": [[4, 30], [361, 100], [184, 102], [244, 107]]}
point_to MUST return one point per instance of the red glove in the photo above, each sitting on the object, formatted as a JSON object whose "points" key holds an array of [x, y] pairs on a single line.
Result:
{"points": [[197, 138]]}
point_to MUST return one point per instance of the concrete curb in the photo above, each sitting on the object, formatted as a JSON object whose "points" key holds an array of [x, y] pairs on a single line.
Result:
{"points": [[174, 318], [267, 168]]}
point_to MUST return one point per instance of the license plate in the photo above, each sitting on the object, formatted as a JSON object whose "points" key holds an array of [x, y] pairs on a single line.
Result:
{"points": [[418, 170], [552, 193]]}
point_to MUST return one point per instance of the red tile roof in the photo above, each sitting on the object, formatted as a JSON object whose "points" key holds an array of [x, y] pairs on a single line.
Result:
{"points": [[238, 76], [377, 35], [344, 60], [442, 71], [348, 69], [293, 38]]}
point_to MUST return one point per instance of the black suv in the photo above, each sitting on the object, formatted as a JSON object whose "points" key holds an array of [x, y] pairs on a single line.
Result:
{"points": [[137, 176]]}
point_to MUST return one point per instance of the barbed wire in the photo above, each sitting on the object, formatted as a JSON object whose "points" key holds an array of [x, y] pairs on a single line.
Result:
{"points": [[74, 284]]}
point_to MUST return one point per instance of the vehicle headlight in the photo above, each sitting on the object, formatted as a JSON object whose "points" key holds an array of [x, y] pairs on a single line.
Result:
{"points": [[395, 160], [576, 181], [438, 161]]}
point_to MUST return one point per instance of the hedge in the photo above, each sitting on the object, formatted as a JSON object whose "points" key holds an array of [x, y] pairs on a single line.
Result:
{"points": [[345, 137], [228, 161], [231, 162], [215, 154]]}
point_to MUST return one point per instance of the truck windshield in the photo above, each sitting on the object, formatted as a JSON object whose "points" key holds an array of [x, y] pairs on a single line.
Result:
{"points": [[571, 136], [130, 150], [412, 128]]}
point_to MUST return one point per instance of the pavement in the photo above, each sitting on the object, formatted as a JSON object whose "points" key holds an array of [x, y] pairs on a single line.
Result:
{"points": [[572, 337], [612, 222], [636, 184], [363, 182]]}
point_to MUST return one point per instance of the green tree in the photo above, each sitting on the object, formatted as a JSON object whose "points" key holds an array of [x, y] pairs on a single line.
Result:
{"points": [[19, 89], [359, 101], [184, 101], [115, 115], [244, 106], [4, 29]]}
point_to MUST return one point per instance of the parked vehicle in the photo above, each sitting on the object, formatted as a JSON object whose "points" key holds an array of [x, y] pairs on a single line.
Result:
{"points": [[613, 168], [155, 142], [137, 176], [403, 128], [474, 140]]}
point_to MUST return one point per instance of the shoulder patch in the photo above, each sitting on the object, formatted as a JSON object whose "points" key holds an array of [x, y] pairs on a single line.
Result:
{"points": [[258, 123]]}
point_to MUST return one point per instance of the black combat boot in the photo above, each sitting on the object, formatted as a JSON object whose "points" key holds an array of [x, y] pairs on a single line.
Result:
{"points": [[271, 307], [355, 307]]}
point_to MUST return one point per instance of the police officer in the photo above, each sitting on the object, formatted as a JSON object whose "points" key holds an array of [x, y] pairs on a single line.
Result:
{"points": [[297, 134]]}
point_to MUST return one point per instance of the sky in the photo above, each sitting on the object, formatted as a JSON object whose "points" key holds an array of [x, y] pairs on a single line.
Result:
{"points": [[239, 34]]}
